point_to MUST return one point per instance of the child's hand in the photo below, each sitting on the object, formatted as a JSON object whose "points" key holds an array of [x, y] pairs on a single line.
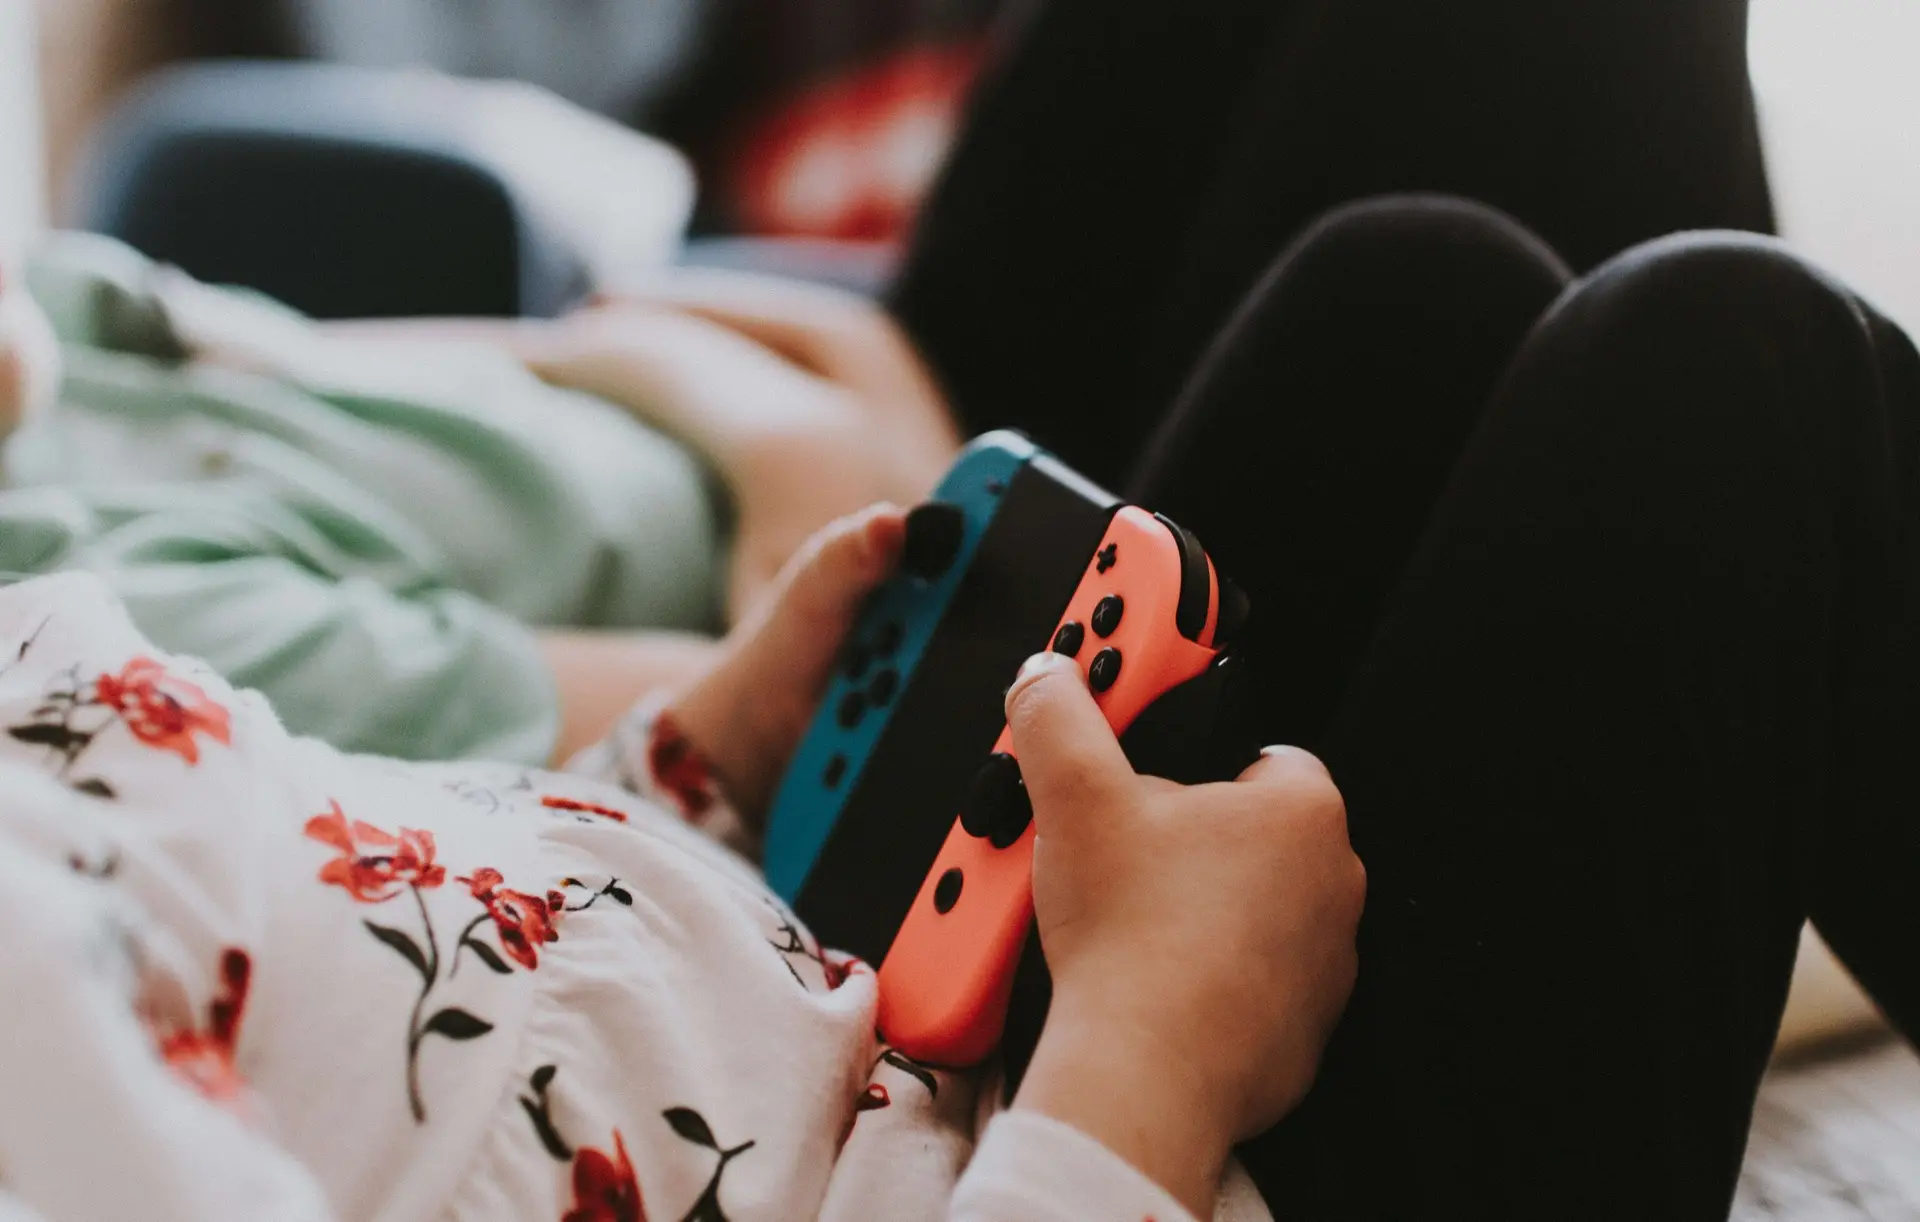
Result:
{"points": [[747, 713], [1201, 939]]}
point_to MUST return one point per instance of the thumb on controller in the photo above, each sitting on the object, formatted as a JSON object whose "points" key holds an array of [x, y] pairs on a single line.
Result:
{"points": [[1069, 757]]}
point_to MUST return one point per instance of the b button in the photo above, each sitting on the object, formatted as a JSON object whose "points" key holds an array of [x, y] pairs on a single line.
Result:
{"points": [[946, 892]]}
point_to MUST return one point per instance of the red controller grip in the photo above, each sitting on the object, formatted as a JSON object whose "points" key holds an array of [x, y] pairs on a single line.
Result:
{"points": [[944, 986]]}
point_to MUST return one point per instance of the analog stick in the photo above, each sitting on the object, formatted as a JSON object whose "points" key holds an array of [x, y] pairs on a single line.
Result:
{"points": [[934, 532]]}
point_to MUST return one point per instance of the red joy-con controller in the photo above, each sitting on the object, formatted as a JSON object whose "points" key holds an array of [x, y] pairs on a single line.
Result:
{"points": [[1141, 624]]}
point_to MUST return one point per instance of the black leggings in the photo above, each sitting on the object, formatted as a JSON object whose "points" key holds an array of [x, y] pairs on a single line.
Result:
{"points": [[1131, 166], [1600, 602]]}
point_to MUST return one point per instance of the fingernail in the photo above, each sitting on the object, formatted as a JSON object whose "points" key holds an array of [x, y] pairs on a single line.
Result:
{"points": [[1041, 663], [1039, 666]]}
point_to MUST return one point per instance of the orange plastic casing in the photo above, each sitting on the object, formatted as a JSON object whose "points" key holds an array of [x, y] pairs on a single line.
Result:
{"points": [[945, 984]]}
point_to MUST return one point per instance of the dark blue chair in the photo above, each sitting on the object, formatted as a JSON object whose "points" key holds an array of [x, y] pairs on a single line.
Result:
{"points": [[317, 186]]}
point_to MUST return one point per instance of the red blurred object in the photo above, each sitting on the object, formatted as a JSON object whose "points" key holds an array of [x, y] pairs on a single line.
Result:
{"points": [[852, 158]]}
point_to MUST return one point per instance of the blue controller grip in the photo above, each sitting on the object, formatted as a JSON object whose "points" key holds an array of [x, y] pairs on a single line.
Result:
{"points": [[883, 651]]}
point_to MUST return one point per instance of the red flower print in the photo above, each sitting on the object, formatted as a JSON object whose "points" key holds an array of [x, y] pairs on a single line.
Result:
{"points": [[584, 808], [205, 1059], [840, 968], [373, 865], [604, 1189], [680, 771], [522, 921], [163, 710]]}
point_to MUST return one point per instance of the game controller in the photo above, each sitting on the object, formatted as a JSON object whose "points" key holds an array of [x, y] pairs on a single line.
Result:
{"points": [[1149, 624], [987, 565]]}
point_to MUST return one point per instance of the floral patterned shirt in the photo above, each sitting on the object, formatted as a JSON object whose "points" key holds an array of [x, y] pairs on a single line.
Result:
{"points": [[247, 976]]}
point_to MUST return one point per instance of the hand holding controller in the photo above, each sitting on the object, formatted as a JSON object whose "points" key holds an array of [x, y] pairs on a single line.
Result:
{"points": [[1143, 626], [1201, 939]]}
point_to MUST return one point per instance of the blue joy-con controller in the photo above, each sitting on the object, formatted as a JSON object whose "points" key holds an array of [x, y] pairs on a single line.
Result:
{"points": [[883, 650], [914, 705]]}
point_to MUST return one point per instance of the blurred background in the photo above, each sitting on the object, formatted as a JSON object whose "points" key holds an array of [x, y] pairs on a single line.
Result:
{"points": [[820, 119], [827, 119], [812, 129]]}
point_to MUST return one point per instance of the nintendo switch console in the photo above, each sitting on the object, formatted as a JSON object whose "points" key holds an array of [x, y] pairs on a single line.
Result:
{"points": [[1148, 623], [915, 701]]}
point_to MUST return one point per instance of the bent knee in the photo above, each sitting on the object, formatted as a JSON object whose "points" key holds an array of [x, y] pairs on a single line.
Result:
{"points": [[1691, 288], [1419, 229]]}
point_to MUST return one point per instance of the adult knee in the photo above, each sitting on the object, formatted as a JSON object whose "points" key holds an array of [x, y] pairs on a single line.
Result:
{"points": [[1422, 244], [1741, 319], [1716, 348]]}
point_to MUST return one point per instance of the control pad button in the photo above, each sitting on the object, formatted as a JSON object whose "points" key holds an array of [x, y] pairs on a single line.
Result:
{"points": [[853, 706], [856, 661], [1105, 671], [1069, 639], [836, 771], [884, 685], [998, 807], [934, 533], [1106, 616], [946, 892]]}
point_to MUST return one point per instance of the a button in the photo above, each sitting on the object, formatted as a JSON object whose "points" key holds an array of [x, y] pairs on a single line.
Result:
{"points": [[853, 706], [1108, 557], [996, 486], [836, 771], [946, 892], [1106, 616], [934, 534], [1069, 639], [884, 685], [858, 658], [887, 641], [996, 798], [1105, 670]]}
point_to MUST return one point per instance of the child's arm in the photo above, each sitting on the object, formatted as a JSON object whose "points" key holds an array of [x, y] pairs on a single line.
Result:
{"points": [[600, 675], [737, 721]]}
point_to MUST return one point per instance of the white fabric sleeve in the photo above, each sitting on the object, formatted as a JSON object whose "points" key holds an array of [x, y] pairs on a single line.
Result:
{"points": [[94, 1120], [133, 906], [1030, 1168], [648, 755]]}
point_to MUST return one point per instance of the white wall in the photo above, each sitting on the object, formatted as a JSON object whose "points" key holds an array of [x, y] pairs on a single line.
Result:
{"points": [[22, 162], [1839, 89]]}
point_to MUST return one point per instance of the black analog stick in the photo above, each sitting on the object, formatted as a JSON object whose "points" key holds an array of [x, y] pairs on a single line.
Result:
{"points": [[934, 531], [1235, 610], [998, 807]]}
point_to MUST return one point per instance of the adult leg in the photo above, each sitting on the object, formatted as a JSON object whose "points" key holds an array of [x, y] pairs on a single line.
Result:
{"points": [[1324, 422], [1643, 700], [1130, 168], [1054, 230]]}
